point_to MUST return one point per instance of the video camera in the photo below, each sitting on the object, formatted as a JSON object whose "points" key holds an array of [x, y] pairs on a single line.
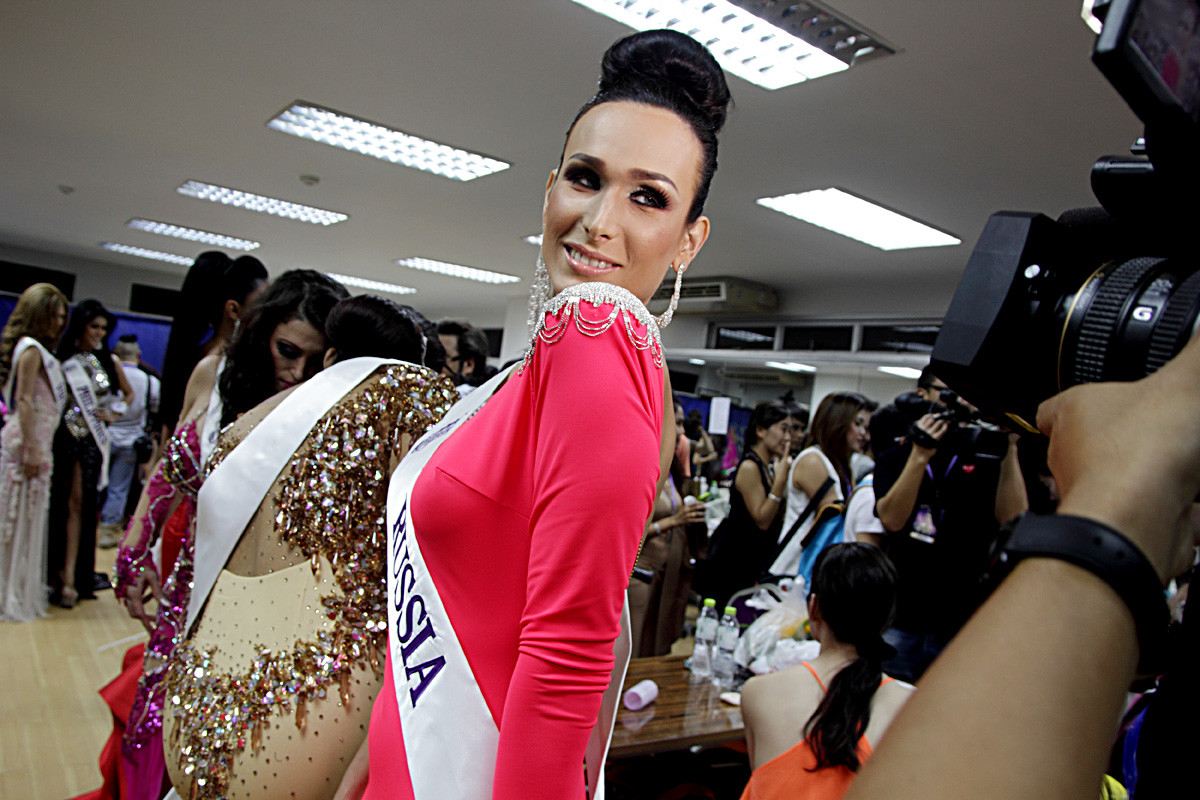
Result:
{"points": [[967, 434], [1110, 293]]}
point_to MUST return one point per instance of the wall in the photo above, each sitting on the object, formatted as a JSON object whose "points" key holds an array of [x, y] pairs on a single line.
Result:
{"points": [[108, 283]]}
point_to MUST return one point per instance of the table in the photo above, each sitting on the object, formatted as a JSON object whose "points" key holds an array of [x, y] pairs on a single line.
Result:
{"points": [[684, 715]]}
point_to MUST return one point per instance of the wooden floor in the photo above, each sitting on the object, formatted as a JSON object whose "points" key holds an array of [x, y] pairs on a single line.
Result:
{"points": [[52, 722]]}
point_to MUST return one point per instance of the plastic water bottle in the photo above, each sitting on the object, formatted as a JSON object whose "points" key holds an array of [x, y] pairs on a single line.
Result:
{"points": [[706, 634], [722, 659]]}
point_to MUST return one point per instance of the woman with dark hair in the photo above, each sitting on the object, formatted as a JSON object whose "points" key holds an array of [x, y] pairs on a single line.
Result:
{"points": [[496, 676], [741, 546], [705, 458], [216, 292], [273, 542], [839, 429], [98, 394], [35, 393], [852, 601], [280, 342]]}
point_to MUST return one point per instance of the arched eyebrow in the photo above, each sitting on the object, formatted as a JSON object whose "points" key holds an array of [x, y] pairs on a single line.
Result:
{"points": [[640, 174]]}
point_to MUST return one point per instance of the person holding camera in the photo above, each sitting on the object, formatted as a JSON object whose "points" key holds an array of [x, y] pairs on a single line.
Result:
{"points": [[941, 497]]}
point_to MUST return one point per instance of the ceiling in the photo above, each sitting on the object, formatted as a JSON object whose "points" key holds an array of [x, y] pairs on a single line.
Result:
{"points": [[988, 106]]}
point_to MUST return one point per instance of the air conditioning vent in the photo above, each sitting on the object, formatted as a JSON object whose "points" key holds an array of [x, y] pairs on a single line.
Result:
{"points": [[717, 296]]}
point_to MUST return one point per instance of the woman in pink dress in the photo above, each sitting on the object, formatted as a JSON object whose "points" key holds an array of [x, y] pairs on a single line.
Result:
{"points": [[35, 393], [507, 574]]}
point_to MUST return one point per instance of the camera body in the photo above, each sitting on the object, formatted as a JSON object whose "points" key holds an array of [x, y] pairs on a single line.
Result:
{"points": [[966, 432], [1110, 293]]}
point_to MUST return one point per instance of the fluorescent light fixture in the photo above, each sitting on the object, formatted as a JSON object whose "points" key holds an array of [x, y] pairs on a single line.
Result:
{"points": [[743, 336], [856, 218], [141, 252], [791, 366], [902, 372], [699, 362], [457, 270], [535, 240], [192, 234], [365, 283], [261, 203], [744, 44], [1090, 18], [379, 141]]}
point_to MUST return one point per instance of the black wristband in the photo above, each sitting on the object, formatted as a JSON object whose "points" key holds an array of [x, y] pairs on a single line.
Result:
{"points": [[1106, 554]]}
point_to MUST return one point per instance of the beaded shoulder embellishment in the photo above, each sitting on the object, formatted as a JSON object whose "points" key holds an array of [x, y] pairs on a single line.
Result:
{"points": [[566, 307]]}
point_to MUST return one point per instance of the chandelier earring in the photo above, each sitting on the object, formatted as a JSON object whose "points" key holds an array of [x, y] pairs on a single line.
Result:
{"points": [[539, 294], [664, 319]]}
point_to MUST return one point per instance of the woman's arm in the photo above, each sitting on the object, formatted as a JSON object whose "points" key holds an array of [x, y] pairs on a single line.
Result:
{"points": [[809, 475], [199, 386], [35, 455], [123, 380], [1024, 701], [762, 505]]}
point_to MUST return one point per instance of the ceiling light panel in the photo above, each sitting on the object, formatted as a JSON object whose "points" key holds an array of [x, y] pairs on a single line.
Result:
{"points": [[378, 141], [856, 218], [534, 239], [261, 203], [768, 55], [193, 234], [141, 252], [901, 372], [366, 283], [791, 366], [457, 270]]}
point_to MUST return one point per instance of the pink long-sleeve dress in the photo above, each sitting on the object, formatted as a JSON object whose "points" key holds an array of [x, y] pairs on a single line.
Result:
{"points": [[529, 518]]}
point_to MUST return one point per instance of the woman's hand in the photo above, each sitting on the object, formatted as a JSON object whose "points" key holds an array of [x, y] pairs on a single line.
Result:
{"points": [[783, 463], [137, 595], [31, 469]]}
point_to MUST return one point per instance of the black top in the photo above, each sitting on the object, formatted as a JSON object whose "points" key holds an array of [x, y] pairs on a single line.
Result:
{"points": [[939, 572], [739, 549]]}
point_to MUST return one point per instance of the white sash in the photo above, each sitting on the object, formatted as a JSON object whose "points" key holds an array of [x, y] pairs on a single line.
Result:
{"points": [[232, 494], [85, 396], [450, 737], [50, 364], [212, 417]]}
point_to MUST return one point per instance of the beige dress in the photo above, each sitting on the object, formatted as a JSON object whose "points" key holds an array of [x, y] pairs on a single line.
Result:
{"points": [[270, 694]]}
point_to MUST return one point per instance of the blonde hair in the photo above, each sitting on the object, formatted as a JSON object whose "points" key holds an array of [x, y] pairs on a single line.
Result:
{"points": [[33, 316]]}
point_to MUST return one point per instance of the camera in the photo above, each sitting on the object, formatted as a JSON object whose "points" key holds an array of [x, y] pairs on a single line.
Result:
{"points": [[967, 433], [1101, 294]]}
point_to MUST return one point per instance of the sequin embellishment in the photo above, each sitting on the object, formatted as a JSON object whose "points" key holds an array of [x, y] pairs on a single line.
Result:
{"points": [[330, 507], [565, 307]]}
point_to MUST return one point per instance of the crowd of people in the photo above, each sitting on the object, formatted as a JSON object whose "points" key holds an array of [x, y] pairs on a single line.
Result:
{"points": [[305, 553]]}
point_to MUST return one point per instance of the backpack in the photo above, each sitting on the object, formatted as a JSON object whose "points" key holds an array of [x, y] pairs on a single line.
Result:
{"points": [[826, 529]]}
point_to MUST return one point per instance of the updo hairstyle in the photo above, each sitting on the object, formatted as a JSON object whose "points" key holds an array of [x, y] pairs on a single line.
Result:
{"points": [[670, 70], [764, 415], [367, 325]]}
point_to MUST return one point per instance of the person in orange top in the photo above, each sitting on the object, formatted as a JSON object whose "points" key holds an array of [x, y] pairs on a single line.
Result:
{"points": [[852, 601]]}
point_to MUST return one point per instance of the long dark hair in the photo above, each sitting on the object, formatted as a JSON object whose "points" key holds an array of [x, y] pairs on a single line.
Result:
{"points": [[249, 374], [81, 315], [830, 423], [855, 588], [367, 325], [211, 281], [670, 70]]}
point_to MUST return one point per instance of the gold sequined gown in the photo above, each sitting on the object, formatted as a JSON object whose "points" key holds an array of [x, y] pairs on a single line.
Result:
{"points": [[271, 693]]}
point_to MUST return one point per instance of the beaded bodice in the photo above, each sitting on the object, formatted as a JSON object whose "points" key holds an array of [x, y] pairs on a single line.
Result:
{"points": [[565, 308], [73, 416], [181, 459], [328, 509]]}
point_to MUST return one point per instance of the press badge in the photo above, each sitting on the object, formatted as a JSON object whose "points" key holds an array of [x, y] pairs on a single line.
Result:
{"points": [[923, 529]]}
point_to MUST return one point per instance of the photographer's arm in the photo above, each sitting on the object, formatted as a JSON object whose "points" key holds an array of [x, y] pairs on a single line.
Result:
{"points": [[1038, 676], [896, 506], [1011, 498]]}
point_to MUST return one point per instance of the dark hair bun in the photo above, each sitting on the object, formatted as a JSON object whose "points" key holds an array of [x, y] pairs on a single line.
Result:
{"points": [[667, 62]]}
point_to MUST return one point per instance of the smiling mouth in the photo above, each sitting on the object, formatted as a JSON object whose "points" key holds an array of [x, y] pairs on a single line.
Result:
{"points": [[583, 262]]}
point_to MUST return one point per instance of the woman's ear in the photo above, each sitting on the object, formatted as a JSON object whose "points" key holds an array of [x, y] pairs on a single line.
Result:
{"points": [[546, 195], [693, 239], [233, 310], [331, 357]]}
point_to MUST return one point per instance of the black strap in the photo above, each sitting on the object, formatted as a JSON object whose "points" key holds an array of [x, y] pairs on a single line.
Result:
{"points": [[808, 512]]}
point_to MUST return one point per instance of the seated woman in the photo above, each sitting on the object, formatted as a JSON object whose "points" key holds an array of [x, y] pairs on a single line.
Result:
{"points": [[271, 688], [842, 693]]}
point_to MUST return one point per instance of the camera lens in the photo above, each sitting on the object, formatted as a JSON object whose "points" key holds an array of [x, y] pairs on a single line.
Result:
{"points": [[1127, 320]]}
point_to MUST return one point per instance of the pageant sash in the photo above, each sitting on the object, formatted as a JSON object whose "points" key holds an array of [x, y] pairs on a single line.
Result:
{"points": [[450, 737], [233, 493], [85, 395], [212, 419], [54, 374]]}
